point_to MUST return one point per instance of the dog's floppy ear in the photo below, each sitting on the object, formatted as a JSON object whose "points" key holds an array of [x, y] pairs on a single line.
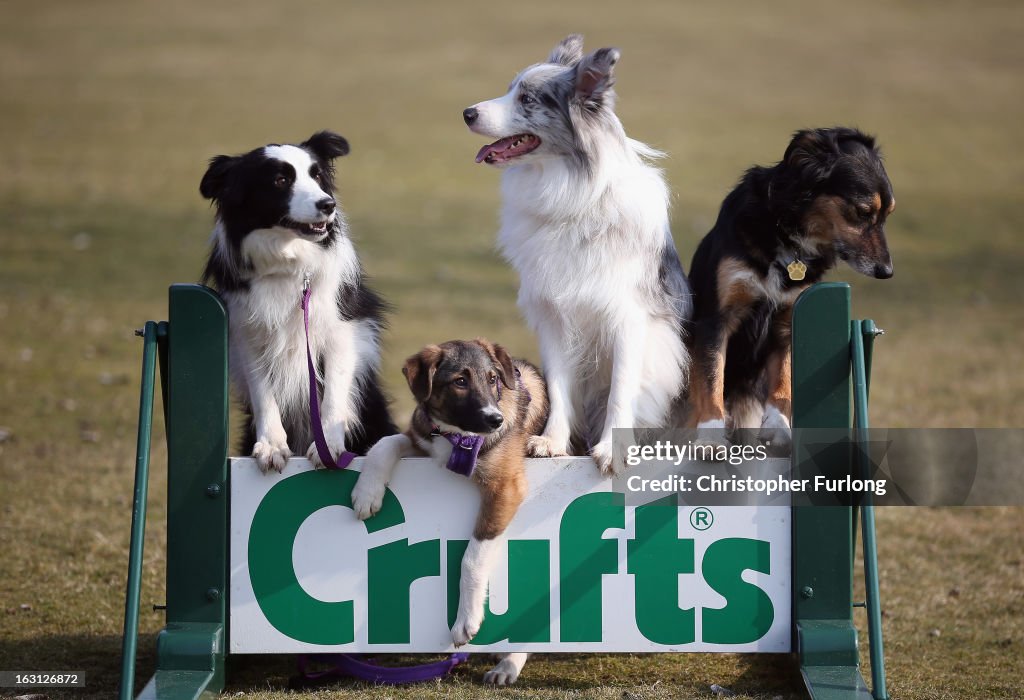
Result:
{"points": [[327, 145], [813, 152], [214, 182], [568, 52], [419, 371], [502, 361], [595, 76]]}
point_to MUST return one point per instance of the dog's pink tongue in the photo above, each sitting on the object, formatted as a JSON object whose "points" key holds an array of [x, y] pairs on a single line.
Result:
{"points": [[496, 148]]}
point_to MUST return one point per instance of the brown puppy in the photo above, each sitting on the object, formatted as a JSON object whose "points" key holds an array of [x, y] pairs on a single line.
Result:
{"points": [[476, 409], [778, 232]]}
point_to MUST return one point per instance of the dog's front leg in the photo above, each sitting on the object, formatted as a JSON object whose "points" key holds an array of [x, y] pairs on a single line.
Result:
{"points": [[627, 371], [271, 449], [775, 426], [338, 405], [499, 502], [707, 388], [379, 465], [558, 373]]}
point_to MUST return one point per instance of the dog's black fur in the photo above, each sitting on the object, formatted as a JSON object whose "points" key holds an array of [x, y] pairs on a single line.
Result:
{"points": [[827, 200]]}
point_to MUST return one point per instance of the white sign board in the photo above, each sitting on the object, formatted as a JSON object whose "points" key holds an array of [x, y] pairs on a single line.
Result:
{"points": [[582, 570]]}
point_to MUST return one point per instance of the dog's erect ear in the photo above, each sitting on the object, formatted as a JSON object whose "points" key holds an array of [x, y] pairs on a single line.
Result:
{"points": [[502, 361], [595, 76], [419, 371], [568, 52], [327, 145], [214, 182]]}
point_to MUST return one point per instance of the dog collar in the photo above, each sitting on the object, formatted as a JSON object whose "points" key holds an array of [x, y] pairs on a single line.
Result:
{"points": [[465, 450], [794, 266]]}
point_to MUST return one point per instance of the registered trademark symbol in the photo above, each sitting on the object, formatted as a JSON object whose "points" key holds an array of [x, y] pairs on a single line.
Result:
{"points": [[701, 518]]}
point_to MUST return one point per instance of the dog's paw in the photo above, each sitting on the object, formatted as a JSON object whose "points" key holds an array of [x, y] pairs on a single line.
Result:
{"points": [[368, 495], [712, 434], [466, 626], [271, 453], [505, 672], [776, 432], [543, 446], [335, 444], [608, 462]]}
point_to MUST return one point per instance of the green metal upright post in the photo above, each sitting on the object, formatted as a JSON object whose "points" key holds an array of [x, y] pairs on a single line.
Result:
{"points": [[860, 332], [825, 637], [129, 641], [191, 648]]}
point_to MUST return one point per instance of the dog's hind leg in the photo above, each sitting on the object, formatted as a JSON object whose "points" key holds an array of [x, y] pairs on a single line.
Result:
{"points": [[507, 669], [374, 416]]}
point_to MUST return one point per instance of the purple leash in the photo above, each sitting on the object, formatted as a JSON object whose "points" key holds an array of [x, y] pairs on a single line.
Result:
{"points": [[345, 458], [350, 664]]}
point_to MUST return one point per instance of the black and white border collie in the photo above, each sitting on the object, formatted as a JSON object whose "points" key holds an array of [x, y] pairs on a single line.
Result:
{"points": [[277, 226]]}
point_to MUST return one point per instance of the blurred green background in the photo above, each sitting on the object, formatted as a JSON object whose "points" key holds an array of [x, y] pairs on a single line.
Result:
{"points": [[110, 110]]}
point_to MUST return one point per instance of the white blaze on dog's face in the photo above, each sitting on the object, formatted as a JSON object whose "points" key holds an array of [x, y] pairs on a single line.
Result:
{"points": [[308, 202], [548, 107]]}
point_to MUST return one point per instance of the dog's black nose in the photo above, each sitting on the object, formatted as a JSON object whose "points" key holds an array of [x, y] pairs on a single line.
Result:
{"points": [[470, 114], [493, 419], [326, 205], [883, 271]]}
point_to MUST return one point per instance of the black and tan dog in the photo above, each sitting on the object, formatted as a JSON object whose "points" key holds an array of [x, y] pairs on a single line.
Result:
{"points": [[476, 408], [778, 232]]}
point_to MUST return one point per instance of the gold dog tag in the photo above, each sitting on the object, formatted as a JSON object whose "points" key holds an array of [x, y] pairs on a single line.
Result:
{"points": [[797, 270]]}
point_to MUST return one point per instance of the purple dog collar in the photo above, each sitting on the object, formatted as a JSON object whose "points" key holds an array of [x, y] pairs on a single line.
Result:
{"points": [[465, 450]]}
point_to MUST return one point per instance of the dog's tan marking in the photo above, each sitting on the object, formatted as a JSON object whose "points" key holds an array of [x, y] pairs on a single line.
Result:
{"points": [[826, 221], [738, 288]]}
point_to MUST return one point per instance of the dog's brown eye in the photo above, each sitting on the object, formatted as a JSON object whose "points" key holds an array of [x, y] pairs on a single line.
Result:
{"points": [[491, 379], [460, 382], [280, 181], [526, 99]]}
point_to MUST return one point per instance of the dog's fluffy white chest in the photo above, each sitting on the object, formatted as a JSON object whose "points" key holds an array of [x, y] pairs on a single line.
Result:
{"points": [[267, 316], [585, 255]]}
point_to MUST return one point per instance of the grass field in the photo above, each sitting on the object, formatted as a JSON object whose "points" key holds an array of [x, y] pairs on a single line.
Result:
{"points": [[110, 110]]}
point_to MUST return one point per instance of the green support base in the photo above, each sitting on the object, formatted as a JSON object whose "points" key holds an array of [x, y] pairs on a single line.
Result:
{"points": [[834, 683], [179, 685], [190, 663]]}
